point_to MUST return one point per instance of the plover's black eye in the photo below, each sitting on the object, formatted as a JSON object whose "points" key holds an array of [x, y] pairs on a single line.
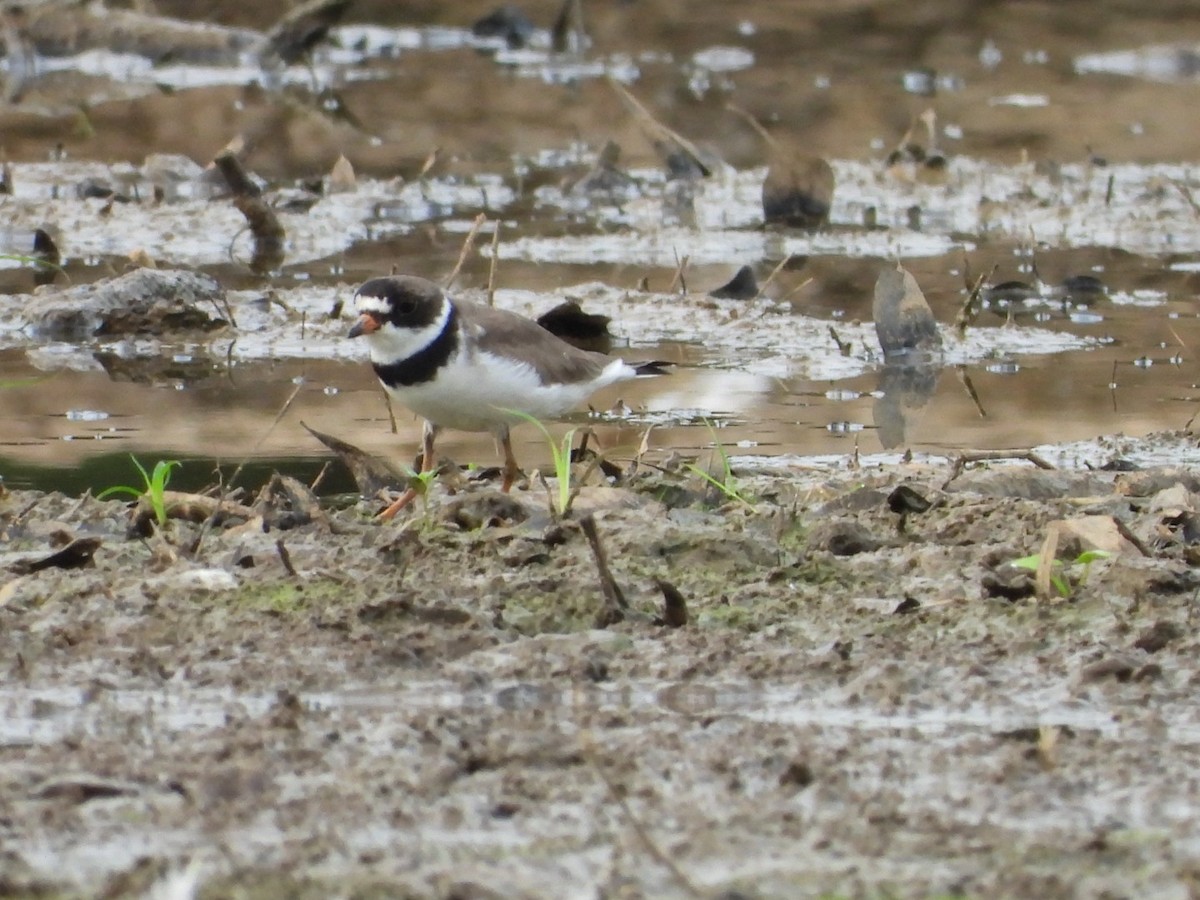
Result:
{"points": [[405, 306]]}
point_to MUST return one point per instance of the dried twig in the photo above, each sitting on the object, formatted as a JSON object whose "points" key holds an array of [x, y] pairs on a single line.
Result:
{"points": [[970, 456], [775, 271], [468, 242]]}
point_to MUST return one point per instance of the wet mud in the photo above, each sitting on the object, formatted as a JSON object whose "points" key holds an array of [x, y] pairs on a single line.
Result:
{"points": [[885, 655], [857, 701]]}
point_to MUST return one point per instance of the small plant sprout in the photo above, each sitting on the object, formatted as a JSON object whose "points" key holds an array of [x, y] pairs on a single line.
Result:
{"points": [[420, 482], [561, 454], [154, 487], [1064, 577], [727, 483]]}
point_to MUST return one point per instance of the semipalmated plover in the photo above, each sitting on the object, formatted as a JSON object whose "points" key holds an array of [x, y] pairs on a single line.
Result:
{"points": [[471, 367]]}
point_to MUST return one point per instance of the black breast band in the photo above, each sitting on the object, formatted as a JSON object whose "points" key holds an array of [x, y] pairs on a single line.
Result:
{"points": [[423, 365]]}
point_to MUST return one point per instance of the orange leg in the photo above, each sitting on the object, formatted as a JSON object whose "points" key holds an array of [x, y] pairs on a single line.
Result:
{"points": [[511, 469], [428, 434]]}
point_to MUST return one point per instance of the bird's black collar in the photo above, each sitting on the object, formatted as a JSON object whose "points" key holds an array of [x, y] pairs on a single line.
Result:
{"points": [[423, 365]]}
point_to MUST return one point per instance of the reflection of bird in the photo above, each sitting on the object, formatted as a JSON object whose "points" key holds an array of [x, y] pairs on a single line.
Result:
{"points": [[471, 367]]}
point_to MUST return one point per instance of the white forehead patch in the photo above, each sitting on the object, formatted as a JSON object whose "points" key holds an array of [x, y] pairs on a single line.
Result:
{"points": [[367, 304]]}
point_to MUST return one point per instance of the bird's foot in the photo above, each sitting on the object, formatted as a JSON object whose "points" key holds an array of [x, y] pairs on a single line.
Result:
{"points": [[402, 501]]}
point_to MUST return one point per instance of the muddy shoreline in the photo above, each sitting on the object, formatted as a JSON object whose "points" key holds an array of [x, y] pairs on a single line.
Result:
{"points": [[425, 709]]}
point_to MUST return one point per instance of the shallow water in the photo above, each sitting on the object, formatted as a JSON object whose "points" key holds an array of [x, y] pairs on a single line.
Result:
{"points": [[1068, 149]]}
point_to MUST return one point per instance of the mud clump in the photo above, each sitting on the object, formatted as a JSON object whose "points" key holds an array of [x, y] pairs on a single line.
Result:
{"points": [[142, 302]]}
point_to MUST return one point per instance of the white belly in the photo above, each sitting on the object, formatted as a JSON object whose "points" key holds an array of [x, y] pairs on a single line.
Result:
{"points": [[479, 394]]}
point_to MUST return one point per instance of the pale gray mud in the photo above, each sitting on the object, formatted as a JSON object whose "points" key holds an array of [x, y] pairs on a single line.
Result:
{"points": [[855, 705]]}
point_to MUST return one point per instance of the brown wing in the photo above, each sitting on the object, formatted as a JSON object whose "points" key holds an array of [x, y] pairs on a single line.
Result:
{"points": [[508, 334]]}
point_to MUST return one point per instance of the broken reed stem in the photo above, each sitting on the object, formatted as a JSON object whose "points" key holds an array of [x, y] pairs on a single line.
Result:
{"points": [[1046, 558], [468, 242], [844, 347], [491, 290], [969, 311], [679, 278], [797, 289], [655, 127], [265, 226], [753, 123], [775, 271], [593, 464], [969, 386]]}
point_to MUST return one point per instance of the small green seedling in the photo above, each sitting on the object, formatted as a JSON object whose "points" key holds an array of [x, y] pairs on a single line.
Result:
{"points": [[1060, 575], [727, 483], [562, 459], [420, 482], [155, 486]]}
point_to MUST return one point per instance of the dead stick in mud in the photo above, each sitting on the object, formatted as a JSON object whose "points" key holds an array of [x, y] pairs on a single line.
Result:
{"points": [[680, 274], [468, 242], [970, 456], [615, 604], [660, 856]]}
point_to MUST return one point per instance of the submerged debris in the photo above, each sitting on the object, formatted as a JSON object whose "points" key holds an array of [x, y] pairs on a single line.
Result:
{"points": [[741, 286], [507, 22]]}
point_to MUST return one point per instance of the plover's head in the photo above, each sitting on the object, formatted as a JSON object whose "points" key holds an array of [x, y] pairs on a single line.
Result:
{"points": [[400, 303]]}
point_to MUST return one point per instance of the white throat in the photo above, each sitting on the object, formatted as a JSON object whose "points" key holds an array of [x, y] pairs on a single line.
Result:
{"points": [[392, 344]]}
